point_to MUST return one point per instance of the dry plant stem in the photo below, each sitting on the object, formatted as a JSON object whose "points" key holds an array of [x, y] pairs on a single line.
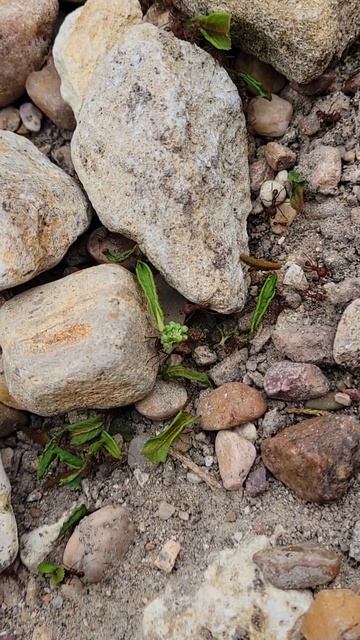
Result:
{"points": [[204, 475]]}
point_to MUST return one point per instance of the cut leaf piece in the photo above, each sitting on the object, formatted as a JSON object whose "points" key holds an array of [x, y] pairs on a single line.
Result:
{"points": [[48, 455], [111, 445], [157, 449], [146, 281], [255, 86], [215, 28], [176, 371], [56, 571], [72, 460], [264, 300], [117, 258]]}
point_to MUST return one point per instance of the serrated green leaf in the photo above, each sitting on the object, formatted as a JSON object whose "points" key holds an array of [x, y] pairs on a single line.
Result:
{"points": [[266, 295], [72, 460], [146, 281], [49, 454], [215, 28], [176, 371], [111, 445], [256, 86], [73, 519], [117, 258], [157, 449]]}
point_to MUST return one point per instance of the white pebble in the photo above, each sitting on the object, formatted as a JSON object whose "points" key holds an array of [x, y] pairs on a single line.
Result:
{"points": [[31, 117], [272, 193]]}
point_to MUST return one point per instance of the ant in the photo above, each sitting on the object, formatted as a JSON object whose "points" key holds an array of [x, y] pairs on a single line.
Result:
{"points": [[316, 268], [328, 119]]}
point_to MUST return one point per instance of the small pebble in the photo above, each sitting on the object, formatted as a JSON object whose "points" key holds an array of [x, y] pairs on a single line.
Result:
{"points": [[279, 157], [165, 510], [269, 118], [235, 457], [31, 117], [204, 356], [167, 556], [183, 515], [9, 119], [342, 398]]}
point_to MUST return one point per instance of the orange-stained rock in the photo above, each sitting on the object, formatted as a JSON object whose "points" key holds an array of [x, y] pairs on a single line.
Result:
{"points": [[334, 615], [231, 404], [315, 458]]}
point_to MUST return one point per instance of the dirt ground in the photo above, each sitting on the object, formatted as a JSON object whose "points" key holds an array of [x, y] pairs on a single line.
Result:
{"points": [[204, 521]]}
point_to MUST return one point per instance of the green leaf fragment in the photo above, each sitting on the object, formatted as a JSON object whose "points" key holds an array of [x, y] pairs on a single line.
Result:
{"points": [[256, 86], [215, 28], [117, 258], [146, 281], [175, 371], [110, 445], [267, 294], [298, 185], [73, 519], [55, 571], [73, 478], [157, 449]]}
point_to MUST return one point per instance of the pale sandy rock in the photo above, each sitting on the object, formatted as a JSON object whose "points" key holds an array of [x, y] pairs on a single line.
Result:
{"points": [[167, 166], [344, 291], [347, 338], [98, 542], [322, 168], [43, 87], [85, 37], [235, 456], [25, 36], [269, 118], [36, 545], [42, 211], [78, 342], [285, 214], [298, 38], [9, 118], [166, 559], [297, 336], [247, 431], [8, 530], [165, 400], [295, 277], [226, 603]]}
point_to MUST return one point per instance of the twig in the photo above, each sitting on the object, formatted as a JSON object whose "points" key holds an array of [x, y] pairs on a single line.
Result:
{"points": [[204, 475]]}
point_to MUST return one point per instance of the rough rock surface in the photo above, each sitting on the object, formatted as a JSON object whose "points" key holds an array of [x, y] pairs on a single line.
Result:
{"points": [[235, 456], [228, 406], [43, 87], [315, 458], [322, 168], [25, 37], [347, 338], [78, 342], [298, 39], [334, 615], [226, 605], [84, 39], [99, 541], [42, 211], [167, 166], [165, 400], [8, 539], [298, 566], [300, 339], [295, 381]]}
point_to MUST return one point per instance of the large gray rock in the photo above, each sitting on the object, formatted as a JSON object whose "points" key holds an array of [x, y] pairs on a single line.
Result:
{"points": [[85, 37], [298, 38], [42, 211], [161, 150], [78, 342], [26, 30]]}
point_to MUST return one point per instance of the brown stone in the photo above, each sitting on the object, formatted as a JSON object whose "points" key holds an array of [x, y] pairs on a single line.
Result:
{"points": [[334, 615], [269, 118], [298, 566], [352, 85], [297, 336], [26, 30], [231, 404], [43, 88], [279, 157], [103, 245], [235, 456], [315, 458], [98, 542], [9, 119], [295, 381]]}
